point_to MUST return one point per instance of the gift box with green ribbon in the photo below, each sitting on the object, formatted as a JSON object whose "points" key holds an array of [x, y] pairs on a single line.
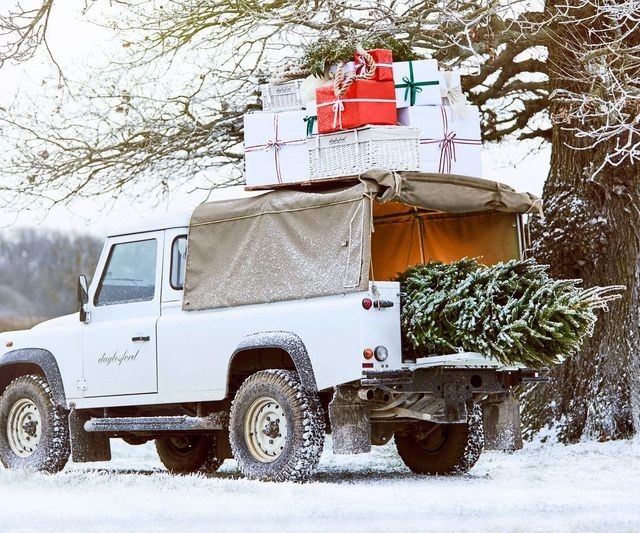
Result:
{"points": [[417, 83]]}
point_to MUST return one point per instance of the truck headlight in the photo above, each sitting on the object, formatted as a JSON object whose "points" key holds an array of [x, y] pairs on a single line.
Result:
{"points": [[381, 353]]}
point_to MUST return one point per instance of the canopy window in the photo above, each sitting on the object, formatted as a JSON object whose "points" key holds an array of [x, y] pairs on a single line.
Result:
{"points": [[405, 236]]}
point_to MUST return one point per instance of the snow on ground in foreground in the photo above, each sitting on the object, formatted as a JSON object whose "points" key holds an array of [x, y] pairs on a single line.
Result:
{"points": [[584, 487]]}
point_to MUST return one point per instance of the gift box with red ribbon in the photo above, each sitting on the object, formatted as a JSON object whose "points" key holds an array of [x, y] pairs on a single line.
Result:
{"points": [[448, 144], [383, 59], [364, 102], [275, 147]]}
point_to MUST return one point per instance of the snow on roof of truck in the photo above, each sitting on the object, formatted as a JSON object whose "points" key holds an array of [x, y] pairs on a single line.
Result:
{"points": [[179, 219]]}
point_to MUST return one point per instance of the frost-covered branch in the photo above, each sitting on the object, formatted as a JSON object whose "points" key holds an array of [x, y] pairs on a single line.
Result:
{"points": [[601, 101]]}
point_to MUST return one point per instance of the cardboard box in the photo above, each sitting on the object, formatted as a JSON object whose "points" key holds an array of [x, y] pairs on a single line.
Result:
{"points": [[417, 83], [384, 64], [275, 147], [448, 144], [365, 102], [451, 92]]}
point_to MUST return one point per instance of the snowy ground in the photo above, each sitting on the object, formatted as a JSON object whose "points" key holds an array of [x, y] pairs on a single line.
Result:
{"points": [[584, 487]]}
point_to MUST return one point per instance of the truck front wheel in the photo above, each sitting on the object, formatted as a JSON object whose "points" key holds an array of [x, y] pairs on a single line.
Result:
{"points": [[442, 449], [34, 431], [189, 454], [276, 427]]}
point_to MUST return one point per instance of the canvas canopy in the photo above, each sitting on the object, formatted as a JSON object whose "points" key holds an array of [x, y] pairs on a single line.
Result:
{"points": [[291, 244]]}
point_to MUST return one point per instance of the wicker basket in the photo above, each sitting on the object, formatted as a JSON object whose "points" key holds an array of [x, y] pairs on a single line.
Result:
{"points": [[281, 96], [351, 152]]}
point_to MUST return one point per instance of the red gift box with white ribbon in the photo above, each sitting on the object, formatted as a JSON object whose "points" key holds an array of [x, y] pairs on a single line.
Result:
{"points": [[364, 102], [383, 59], [275, 147]]}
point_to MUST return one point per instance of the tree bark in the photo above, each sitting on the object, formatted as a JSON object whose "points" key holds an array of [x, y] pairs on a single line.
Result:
{"points": [[591, 231]]}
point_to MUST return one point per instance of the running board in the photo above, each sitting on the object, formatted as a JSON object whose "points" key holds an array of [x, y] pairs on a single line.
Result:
{"points": [[157, 424]]}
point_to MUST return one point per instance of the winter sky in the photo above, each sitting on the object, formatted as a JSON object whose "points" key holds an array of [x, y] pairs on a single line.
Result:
{"points": [[76, 43]]}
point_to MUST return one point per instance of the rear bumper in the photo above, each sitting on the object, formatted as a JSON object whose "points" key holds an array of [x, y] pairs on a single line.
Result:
{"points": [[469, 372]]}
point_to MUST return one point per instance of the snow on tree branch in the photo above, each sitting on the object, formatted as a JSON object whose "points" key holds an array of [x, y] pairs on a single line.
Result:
{"points": [[601, 106]]}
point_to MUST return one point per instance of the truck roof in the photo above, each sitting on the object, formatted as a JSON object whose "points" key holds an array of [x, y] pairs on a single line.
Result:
{"points": [[178, 219]]}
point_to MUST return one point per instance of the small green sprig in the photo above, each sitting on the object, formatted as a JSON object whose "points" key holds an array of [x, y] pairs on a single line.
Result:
{"points": [[321, 54]]}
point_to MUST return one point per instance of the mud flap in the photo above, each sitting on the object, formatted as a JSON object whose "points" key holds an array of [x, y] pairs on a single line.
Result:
{"points": [[501, 424], [350, 423], [86, 447]]}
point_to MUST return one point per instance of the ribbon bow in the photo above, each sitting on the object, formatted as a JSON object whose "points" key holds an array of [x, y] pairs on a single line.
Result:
{"points": [[276, 144], [453, 93], [447, 152], [310, 120], [412, 87], [338, 109], [360, 65]]}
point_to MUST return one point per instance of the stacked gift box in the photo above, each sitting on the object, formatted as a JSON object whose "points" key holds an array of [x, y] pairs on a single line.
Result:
{"points": [[372, 113]]}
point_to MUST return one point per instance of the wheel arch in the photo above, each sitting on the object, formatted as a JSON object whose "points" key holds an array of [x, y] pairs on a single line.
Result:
{"points": [[32, 361], [285, 342]]}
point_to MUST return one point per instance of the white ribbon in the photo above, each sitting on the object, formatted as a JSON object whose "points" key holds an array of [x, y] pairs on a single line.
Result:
{"points": [[456, 98], [338, 109], [361, 65]]}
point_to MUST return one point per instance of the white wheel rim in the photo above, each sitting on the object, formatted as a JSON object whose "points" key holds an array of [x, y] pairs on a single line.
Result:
{"points": [[265, 429], [24, 427]]}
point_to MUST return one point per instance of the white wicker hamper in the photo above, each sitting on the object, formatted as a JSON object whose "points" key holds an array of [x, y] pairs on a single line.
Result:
{"points": [[281, 96], [350, 152]]}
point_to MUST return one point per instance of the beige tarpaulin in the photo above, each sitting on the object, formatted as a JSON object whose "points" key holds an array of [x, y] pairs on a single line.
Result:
{"points": [[281, 245], [450, 193], [288, 244]]}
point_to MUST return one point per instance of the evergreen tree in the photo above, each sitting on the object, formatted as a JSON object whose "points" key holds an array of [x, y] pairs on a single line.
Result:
{"points": [[511, 311]]}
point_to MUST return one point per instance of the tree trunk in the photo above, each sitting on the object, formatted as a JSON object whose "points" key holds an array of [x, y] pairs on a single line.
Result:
{"points": [[591, 231]]}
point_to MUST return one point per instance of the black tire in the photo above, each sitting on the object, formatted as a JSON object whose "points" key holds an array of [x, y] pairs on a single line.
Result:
{"points": [[296, 429], [443, 449], [34, 431], [189, 454]]}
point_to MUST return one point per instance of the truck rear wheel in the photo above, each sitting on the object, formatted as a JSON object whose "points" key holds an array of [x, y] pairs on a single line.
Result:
{"points": [[189, 454], [443, 449], [276, 427], [34, 431]]}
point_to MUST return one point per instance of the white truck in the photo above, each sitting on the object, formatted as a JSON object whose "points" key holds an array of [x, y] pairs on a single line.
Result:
{"points": [[253, 326]]}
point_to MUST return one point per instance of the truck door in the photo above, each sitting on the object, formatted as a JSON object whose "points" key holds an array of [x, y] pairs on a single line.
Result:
{"points": [[119, 343]]}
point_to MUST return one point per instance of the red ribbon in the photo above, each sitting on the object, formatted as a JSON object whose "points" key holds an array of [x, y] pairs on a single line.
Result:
{"points": [[274, 144], [448, 143]]}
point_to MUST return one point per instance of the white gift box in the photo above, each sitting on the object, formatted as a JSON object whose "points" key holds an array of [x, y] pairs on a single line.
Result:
{"points": [[448, 144], [417, 83], [275, 147], [451, 92], [348, 68], [351, 152], [281, 96]]}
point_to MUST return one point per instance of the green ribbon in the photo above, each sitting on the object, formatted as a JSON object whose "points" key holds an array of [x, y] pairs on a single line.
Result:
{"points": [[412, 87], [310, 120]]}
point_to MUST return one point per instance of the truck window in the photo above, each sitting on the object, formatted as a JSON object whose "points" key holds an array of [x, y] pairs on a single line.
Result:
{"points": [[130, 274], [178, 262]]}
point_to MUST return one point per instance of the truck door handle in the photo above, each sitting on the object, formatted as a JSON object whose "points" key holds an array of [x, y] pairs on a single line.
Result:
{"points": [[141, 339], [381, 304]]}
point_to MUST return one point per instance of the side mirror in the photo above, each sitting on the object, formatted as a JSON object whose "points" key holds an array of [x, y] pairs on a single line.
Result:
{"points": [[83, 297]]}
